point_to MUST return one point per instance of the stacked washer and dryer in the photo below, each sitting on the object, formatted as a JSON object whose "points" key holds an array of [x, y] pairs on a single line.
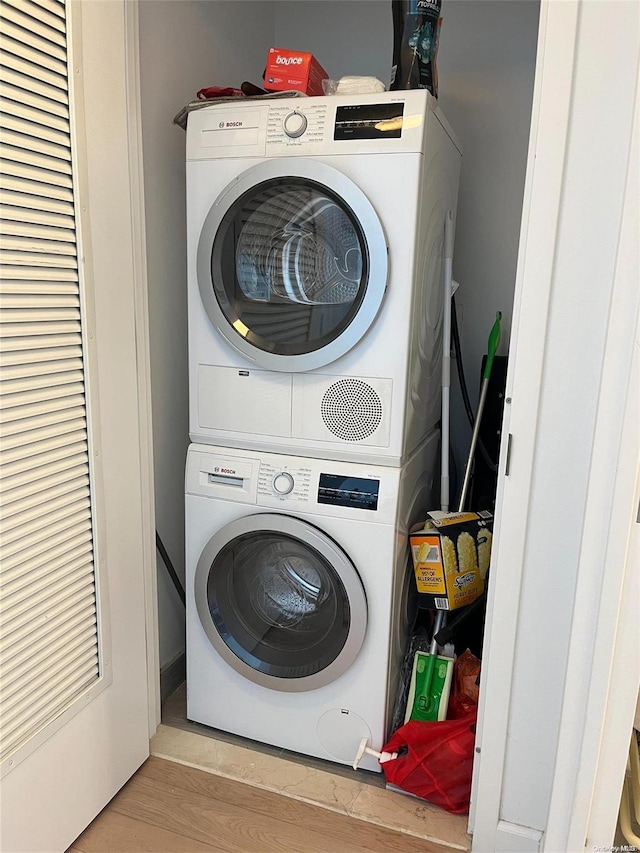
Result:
{"points": [[315, 287]]}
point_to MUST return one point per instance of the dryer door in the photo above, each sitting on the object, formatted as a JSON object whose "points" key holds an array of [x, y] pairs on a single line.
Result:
{"points": [[280, 602], [292, 264]]}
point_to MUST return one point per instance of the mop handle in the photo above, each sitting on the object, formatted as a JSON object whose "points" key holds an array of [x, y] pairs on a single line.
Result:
{"points": [[446, 361], [492, 346]]}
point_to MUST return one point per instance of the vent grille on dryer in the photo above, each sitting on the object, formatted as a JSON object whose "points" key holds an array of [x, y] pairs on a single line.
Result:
{"points": [[351, 409]]}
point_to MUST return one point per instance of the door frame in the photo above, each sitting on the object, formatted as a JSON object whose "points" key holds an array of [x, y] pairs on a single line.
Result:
{"points": [[566, 734], [139, 263]]}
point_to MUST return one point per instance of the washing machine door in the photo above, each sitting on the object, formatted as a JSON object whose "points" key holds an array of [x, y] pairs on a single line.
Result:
{"points": [[292, 264], [281, 602]]}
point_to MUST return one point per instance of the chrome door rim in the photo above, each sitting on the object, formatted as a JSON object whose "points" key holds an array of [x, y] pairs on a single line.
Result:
{"points": [[340, 185], [319, 541]]}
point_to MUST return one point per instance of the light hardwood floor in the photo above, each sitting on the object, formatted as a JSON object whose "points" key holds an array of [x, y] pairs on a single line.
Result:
{"points": [[169, 808]]}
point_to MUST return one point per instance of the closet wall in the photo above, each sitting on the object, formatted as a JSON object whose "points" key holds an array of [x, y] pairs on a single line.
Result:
{"points": [[486, 68], [184, 46]]}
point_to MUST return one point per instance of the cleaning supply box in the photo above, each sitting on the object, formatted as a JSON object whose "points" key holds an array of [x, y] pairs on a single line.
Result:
{"points": [[451, 554], [293, 69]]}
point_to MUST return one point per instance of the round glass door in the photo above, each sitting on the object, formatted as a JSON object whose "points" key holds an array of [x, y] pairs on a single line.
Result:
{"points": [[280, 602], [292, 264]]}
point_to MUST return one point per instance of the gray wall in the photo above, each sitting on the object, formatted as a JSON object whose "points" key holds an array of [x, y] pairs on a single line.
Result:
{"points": [[184, 46], [345, 36]]}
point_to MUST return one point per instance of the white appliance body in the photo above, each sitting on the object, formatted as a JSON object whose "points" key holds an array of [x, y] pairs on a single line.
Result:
{"points": [[299, 593], [315, 273]]}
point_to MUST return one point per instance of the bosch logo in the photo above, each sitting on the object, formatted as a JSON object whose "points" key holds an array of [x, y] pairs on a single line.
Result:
{"points": [[221, 124], [233, 124], [289, 60], [227, 471]]}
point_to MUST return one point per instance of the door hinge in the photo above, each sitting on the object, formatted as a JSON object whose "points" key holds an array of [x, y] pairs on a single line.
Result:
{"points": [[507, 466]]}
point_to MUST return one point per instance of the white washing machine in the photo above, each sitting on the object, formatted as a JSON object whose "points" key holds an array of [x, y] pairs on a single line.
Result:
{"points": [[299, 594], [315, 274]]}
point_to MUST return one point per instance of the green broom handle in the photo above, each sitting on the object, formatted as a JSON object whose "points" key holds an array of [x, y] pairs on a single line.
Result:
{"points": [[492, 346]]}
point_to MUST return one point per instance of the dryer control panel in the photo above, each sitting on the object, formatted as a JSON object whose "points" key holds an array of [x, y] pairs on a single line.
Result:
{"points": [[299, 126], [385, 122]]}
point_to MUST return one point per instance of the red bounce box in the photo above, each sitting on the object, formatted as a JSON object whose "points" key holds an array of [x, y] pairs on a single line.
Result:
{"points": [[293, 69]]}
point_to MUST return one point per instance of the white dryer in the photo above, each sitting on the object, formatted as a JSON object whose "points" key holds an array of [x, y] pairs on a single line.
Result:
{"points": [[315, 275], [299, 595]]}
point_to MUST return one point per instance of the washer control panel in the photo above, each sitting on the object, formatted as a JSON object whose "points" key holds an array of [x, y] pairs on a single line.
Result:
{"points": [[286, 483], [294, 484], [301, 126]]}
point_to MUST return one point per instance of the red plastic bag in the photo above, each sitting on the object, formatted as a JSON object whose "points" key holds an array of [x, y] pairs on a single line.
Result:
{"points": [[464, 696], [437, 762]]}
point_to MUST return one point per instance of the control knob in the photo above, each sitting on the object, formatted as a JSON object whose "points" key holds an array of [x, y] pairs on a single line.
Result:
{"points": [[283, 483], [294, 124]]}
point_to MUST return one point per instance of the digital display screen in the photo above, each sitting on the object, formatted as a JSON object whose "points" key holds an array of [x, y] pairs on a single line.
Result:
{"points": [[369, 121], [356, 492]]}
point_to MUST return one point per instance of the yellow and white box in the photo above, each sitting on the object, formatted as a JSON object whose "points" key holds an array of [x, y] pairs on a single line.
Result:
{"points": [[451, 554]]}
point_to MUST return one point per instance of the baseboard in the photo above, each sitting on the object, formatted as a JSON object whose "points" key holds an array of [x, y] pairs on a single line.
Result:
{"points": [[172, 675]]}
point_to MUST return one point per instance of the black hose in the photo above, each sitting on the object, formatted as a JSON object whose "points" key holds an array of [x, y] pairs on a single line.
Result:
{"points": [[172, 572], [455, 335]]}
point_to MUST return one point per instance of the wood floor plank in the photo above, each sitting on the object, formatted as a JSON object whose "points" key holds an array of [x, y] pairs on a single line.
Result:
{"points": [[169, 808], [212, 821], [340, 831], [113, 832]]}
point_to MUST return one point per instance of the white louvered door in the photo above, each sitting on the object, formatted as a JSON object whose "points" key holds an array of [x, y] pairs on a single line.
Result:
{"points": [[73, 680], [49, 646]]}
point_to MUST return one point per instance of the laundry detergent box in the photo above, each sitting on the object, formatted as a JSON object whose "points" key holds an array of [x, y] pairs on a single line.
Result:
{"points": [[293, 69], [451, 553]]}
